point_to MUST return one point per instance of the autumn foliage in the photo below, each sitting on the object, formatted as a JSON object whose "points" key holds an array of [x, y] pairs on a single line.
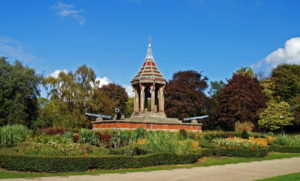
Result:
{"points": [[185, 94], [240, 100]]}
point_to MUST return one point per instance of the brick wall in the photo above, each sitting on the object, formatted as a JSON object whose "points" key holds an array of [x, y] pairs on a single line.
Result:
{"points": [[152, 126]]}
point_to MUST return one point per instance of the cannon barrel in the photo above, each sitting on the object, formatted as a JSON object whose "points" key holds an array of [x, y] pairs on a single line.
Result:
{"points": [[103, 116], [194, 118]]}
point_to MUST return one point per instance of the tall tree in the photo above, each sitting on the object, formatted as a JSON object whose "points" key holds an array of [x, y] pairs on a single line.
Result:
{"points": [[240, 100], [77, 93], [185, 94], [286, 79], [116, 93], [18, 93]]}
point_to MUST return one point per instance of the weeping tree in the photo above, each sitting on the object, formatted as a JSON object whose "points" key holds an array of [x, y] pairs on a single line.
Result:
{"points": [[185, 94]]}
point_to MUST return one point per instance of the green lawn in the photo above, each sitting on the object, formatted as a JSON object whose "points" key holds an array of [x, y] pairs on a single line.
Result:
{"points": [[209, 161], [289, 177]]}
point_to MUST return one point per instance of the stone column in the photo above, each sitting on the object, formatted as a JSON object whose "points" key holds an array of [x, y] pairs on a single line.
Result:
{"points": [[153, 98], [161, 99], [142, 101], [136, 101]]}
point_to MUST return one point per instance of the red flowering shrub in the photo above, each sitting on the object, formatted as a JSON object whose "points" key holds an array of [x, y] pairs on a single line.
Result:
{"points": [[75, 138], [104, 138]]}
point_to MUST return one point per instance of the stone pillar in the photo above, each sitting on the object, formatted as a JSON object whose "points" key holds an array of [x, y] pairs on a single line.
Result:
{"points": [[153, 109], [142, 101], [161, 99], [136, 101]]}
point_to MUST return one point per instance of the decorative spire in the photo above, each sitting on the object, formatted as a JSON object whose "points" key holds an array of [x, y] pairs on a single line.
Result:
{"points": [[149, 51], [149, 70]]}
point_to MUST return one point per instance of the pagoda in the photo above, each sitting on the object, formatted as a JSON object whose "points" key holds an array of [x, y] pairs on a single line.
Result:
{"points": [[149, 112], [148, 86]]}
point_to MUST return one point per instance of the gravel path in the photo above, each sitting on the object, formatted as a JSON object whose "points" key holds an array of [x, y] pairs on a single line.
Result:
{"points": [[230, 172]]}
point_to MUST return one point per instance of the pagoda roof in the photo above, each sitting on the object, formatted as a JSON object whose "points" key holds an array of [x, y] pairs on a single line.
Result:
{"points": [[149, 70]]}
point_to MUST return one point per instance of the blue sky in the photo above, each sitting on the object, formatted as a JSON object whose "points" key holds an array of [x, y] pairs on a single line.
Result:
{"points": [[215, 37]]}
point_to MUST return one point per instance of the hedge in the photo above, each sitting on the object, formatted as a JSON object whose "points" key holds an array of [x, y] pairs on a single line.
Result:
{"points": [[240, 152], [83, 163], [63, 164], [284, 149]]}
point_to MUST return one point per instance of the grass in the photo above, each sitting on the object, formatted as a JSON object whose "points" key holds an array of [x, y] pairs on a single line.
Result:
{"points": [[290, 177], [207, 161]]}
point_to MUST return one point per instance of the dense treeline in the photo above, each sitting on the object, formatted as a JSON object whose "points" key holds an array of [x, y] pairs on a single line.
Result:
{"points": [[244, 101]]}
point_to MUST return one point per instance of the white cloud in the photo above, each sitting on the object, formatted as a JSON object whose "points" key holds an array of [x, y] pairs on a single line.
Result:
{"points": [[290, 54], [129, 90], [15, 50], [56, 73], [102, 81], [69, 10]]}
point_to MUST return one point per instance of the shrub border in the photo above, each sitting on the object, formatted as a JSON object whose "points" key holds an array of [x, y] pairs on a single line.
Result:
{"points": [[84, 163]]}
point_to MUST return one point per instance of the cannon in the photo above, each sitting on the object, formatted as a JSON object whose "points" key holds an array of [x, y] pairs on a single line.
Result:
{"points": [[194, 119], [100, 116], [119, 115]]}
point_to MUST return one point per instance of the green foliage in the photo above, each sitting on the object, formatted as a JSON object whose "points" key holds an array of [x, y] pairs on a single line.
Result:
{"points": [[11, 135], [182, 134], [160, 141], [120, 138], [84, 163], [73, 94], [130, 150], [245, 134], [286, 80], [241, 152], [285, 140], [236, 143], [18, 93], [275, 116], [285, 149], [129, 107], [245, 71], [88, 136]]}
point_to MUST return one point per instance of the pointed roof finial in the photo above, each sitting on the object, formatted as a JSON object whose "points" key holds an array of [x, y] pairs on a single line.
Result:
{"points": [[149, 51]]}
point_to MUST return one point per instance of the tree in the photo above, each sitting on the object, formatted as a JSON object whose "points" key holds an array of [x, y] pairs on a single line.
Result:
{"points": [[215, 88], [246, 71], [129, 106], [286, 79], [18, 93], [116, 93], [240, 100], [184, 95], [275, 116], [74, 94]]}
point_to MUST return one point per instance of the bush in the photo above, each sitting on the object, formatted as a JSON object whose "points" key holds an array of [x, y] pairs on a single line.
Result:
{"points": [[285, 140], [244, 126], [88, 136], [130, 150], [121, 138], [284, 149], [210, 135], [11, 135], [160, 141], [83, 163], [245, 134], [236, 143], [182, 134], [241, 152]]}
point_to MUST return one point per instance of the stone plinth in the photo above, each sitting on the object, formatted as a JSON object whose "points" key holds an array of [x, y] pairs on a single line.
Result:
{"points": [[148, 123]]}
